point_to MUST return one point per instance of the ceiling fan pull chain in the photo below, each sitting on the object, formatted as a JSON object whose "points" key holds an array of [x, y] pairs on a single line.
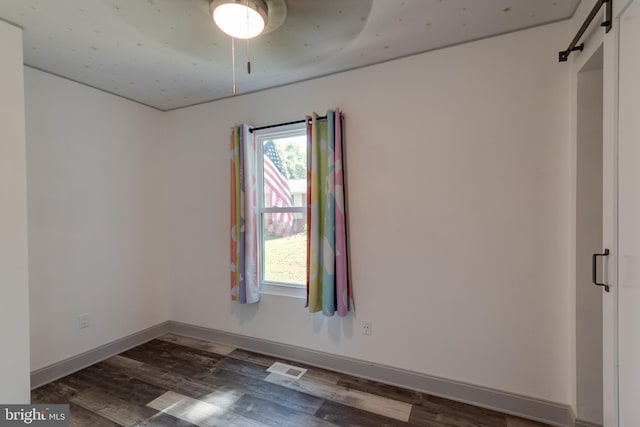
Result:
{"points": [[233, 65], [248, 58], [248, 41]]}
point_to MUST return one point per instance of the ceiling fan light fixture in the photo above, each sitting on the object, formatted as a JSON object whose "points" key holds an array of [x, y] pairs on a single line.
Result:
{"points": [[241, 19]]}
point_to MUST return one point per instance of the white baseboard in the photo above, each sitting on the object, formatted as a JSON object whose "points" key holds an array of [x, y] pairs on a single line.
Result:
{"points": [[583, 423], [510, 403], [68, 366], [523, 406]]}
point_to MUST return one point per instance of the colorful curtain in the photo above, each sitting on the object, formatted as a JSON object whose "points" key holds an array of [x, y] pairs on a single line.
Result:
{"points": [[245, 287], [328, 285]]}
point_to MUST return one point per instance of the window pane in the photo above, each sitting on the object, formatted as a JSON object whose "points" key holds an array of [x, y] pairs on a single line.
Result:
{"points": [[285, 257], [285, 172]]}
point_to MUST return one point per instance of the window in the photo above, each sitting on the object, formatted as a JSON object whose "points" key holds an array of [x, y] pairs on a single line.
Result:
{"points": [[282, 200]]}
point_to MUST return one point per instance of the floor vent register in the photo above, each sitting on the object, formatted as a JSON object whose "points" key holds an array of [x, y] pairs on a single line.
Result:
{"points": [[287, 370]]}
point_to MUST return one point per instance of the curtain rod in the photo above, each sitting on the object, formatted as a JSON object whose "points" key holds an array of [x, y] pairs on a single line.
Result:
{"points": [[285, 124], [564, 55]]}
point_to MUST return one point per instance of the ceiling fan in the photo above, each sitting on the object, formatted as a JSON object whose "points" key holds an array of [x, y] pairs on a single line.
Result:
{"points": [[246, 19]]}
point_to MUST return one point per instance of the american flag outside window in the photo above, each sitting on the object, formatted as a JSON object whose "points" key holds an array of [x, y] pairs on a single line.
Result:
{"points": [[276, 193]]}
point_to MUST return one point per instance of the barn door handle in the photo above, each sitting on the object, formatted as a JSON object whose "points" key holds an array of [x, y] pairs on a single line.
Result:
{"points": [[594, 266]]}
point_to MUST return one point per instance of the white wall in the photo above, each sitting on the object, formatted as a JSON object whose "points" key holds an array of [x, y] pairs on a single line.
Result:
{"points": [[14, 280], [97, 217], [459, 174]]}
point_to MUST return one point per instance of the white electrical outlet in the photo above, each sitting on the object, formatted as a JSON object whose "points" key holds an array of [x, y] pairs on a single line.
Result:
{"points": [[366, 327], [83, 321]]}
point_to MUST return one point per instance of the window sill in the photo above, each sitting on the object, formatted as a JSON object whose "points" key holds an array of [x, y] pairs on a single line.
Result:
{"points": [[283, 290]]}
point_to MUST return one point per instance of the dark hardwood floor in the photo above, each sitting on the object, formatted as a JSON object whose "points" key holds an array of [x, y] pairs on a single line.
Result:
{"points": [[180, 381]]}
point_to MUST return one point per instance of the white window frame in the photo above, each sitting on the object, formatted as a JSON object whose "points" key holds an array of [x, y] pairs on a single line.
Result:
{"points": [[268, 287]]}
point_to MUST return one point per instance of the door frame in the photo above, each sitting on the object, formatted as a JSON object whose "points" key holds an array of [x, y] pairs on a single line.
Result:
{"points": [[610, 216]]}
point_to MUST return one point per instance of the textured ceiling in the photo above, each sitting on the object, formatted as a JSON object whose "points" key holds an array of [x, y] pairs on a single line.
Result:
{"points": [[168, 53]]}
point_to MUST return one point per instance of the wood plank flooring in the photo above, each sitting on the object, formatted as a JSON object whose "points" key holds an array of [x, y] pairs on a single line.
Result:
{"points": [[181, 381]]}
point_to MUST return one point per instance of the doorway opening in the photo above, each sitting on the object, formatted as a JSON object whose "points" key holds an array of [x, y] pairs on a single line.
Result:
{"points": [[589, 239]]}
